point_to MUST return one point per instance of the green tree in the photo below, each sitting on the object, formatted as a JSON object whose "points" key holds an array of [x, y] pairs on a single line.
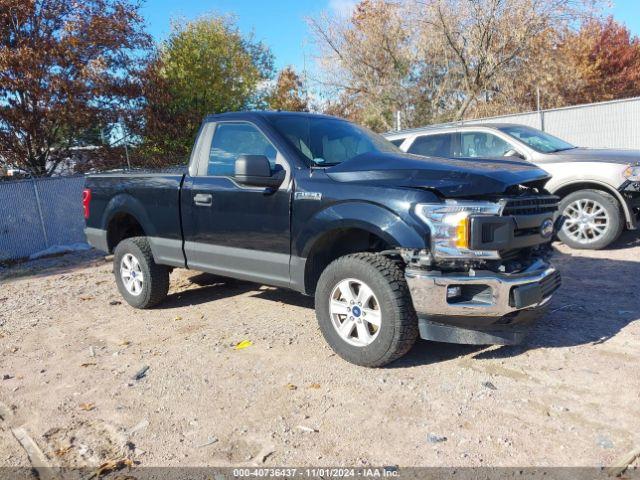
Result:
{"points": [[205, 66]]}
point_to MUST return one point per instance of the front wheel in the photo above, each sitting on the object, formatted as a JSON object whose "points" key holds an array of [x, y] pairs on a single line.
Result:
{"points": [[364, 309], [593, 219]]}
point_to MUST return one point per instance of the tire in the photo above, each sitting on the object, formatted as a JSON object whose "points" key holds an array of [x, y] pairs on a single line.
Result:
{"points": [[154, 284], [398, 322], [591, 238]]}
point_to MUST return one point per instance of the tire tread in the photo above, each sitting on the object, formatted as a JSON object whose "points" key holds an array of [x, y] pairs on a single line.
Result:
{"points": [[406, 325], [158, 282]]}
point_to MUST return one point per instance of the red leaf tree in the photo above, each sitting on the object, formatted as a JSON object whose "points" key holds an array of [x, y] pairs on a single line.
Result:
{"points": [[67, 69], [607, 59]]}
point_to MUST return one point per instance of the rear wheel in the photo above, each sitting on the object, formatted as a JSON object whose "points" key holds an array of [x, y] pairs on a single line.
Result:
{"points": [[364, 309], [593, 219], [141, 281]]}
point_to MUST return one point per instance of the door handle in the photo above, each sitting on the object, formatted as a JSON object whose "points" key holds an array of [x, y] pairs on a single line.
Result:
{"points": [[203, 199]]}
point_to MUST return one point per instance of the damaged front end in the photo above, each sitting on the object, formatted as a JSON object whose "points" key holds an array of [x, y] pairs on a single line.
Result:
{"points": [[486, 276]]}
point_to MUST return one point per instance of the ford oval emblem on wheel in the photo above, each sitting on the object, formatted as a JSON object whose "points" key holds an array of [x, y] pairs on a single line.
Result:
{"points": [[546, 229]]}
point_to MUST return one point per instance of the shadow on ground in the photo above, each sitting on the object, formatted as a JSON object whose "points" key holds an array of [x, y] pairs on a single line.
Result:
{"points": [[628, 239], [53, 265], [598, 298], [213, 287]]}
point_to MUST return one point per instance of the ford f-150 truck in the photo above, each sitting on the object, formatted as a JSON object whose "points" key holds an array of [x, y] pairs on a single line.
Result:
{"points": [[392, 245]]}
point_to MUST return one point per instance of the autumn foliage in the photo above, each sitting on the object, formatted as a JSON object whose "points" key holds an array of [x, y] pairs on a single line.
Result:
{"points": [[288, 93], [606, 59], [66, 69], [447, 60]]}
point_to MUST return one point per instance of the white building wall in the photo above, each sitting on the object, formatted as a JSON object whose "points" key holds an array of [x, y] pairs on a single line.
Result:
{"points": [[614, 124]]}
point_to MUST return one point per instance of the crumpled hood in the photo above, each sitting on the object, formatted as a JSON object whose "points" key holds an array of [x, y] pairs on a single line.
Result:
{"points": [[598, 155], [450, 177]]}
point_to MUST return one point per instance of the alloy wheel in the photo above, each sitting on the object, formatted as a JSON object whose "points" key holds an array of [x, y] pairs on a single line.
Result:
{"points": [[355, 312], [131, 274], [586, 221]]}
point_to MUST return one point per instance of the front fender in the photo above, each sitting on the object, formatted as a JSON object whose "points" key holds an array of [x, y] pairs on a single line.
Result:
{"points": [[373, 218]]}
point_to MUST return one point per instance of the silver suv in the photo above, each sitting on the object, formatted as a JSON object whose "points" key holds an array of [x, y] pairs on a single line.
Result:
{"points": [[600, 189]]}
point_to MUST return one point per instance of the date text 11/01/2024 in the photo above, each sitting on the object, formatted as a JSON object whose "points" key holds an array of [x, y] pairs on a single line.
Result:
{"points": [[364, 472]]}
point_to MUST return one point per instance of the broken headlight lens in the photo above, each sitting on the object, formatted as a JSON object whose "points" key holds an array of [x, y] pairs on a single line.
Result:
{"points": [[450, 223]]}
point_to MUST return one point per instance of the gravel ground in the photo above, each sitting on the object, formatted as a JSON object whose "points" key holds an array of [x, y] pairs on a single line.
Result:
{"points": [[70, 350]]}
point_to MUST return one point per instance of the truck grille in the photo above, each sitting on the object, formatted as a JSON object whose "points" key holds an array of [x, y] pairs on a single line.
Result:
{"points": [[528, 212], [530, 205]]}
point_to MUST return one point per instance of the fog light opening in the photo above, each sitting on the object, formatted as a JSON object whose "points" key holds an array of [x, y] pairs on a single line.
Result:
{"points": [[472, 294]]}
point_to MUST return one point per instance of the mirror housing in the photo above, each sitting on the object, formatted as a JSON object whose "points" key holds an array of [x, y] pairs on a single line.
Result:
{"points": [[513, 153], [255, 170]]}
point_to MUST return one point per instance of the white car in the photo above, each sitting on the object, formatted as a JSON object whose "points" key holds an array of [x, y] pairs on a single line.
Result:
{"points": [[600, 188]]}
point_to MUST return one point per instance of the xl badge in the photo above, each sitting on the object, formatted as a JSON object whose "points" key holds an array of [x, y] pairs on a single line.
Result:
{"points": [[308, 196], [546, 229]]}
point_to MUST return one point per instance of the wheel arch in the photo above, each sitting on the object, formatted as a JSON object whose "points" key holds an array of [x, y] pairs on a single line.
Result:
{"points": [[346, 228], [125, 217], [337, 243]]}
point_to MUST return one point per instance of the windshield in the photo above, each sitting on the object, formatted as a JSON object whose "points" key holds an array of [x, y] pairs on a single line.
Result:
{"points": [[536, 139], [329, 141]]}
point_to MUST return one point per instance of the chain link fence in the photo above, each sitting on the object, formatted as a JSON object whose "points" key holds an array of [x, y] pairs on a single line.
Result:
{"points": [[40, 214]]}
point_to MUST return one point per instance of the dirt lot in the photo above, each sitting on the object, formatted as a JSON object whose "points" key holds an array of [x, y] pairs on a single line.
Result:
{"points": [[69, 351]]}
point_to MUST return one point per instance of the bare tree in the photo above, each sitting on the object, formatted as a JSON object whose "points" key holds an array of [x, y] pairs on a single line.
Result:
{"points": [[367, 59], [438, 60], [487, 43]]}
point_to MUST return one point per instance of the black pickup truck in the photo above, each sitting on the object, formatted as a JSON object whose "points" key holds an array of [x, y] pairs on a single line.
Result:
{"points": [[393, 246]]}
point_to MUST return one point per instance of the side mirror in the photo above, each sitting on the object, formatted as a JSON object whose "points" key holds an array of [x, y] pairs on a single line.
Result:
{"points": [[513, 153], [255, 170]]}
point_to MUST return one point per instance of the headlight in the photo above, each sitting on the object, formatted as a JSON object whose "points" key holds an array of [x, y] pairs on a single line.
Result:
{"points": [[449, 223], [632, 173]]}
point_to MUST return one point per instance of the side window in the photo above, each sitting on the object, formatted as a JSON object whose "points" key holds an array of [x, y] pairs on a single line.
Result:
{"points": [[230, 140], [432, 145], [482, 144], [397, 141]]}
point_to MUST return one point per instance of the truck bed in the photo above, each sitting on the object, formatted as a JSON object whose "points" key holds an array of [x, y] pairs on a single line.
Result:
{"points": [[151, 196]]}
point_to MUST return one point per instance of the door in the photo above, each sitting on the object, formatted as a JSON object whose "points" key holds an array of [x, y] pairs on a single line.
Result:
{"points": [[230, 229]]}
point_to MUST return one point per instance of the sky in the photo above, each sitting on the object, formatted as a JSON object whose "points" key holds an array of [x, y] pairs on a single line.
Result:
{"points": [[281, 25]]}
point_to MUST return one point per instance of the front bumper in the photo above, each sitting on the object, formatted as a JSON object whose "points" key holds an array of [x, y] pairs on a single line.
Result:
{"points": [[481, 308]]}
